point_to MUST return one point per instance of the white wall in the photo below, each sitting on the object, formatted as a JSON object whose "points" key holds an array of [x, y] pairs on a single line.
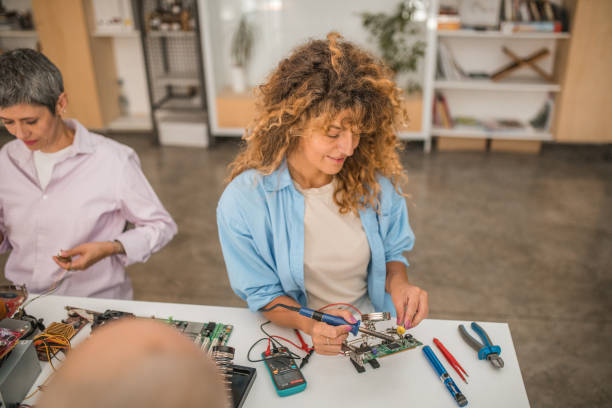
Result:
{"points": [[129, 60], [280, 25]]}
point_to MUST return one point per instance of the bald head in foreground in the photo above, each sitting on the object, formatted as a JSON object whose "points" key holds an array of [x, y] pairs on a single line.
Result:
{"points": [[135, 363]]}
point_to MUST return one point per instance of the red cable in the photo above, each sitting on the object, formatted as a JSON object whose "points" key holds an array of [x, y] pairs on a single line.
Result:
{"points": [[340, 304], [268, 349], [301, 339], [290, 342]]}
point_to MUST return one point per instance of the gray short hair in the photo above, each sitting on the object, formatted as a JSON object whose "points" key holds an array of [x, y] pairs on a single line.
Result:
{"points": [[27, 76]]}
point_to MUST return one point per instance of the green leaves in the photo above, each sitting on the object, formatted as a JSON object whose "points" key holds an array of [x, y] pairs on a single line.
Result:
{"points": [[394, 36]]}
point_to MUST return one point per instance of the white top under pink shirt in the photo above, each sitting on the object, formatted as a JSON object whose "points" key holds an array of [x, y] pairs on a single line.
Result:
{"points": [[94, 189]]}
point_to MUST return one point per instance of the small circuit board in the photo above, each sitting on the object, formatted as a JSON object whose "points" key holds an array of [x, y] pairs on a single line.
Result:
{"points": [[207, 335], [368, 347], [385, 349], [8, 340]]}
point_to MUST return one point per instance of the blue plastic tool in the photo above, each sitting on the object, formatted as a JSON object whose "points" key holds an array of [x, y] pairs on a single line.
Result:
{"points": [[329, 319], [486, 350], [444, 377]]}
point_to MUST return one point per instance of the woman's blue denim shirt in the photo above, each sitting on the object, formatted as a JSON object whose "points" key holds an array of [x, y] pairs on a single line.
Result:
{"points": [[261, 228]]}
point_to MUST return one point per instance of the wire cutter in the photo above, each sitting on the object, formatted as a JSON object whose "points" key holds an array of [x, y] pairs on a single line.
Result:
{"points": [[486, 351]]}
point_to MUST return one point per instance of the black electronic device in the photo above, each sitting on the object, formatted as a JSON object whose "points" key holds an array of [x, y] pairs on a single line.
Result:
{"points": [[242, 381], [286, 376]]}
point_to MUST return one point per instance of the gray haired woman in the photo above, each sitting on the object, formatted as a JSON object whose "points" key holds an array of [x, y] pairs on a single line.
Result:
{"points": [[63, 188]]}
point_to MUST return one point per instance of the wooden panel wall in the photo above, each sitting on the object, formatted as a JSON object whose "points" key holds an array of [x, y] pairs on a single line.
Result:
{"points": [[584, 106], [87, 66]]}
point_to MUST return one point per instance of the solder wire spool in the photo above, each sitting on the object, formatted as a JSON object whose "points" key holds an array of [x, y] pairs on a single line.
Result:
{"points": [[223, 356]]}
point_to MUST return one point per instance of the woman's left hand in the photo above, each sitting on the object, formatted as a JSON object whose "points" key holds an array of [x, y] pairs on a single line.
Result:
{"points": [[87, 255], [410, 303]]}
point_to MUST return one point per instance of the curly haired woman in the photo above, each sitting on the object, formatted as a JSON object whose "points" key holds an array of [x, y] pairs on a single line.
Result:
{"points": [[313, 214]]}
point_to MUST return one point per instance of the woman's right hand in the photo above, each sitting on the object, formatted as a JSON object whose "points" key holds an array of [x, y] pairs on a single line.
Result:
{"points": [[327, 339]]}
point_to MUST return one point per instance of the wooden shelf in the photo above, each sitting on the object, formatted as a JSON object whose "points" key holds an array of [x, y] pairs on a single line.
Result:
{"points": [[465, 33], [18, 33], [467, 131], [510, 85]]}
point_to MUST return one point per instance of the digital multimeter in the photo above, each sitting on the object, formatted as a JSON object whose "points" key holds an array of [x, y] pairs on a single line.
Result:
{"points": [[286, 376]]}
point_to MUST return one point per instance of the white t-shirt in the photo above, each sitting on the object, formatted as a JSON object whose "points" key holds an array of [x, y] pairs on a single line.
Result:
{"points": [[45, 162], [336, 250]]}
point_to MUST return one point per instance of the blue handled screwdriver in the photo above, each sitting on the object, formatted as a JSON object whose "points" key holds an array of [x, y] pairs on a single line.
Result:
{"points": [[331, 320], [444, 377]]}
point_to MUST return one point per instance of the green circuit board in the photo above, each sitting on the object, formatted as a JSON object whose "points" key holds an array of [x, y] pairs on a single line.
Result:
{"points": [[385, 349], [205, 334]]}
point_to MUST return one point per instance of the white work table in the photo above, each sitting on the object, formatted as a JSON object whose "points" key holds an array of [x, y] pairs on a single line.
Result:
{"points": [[405, 378]]}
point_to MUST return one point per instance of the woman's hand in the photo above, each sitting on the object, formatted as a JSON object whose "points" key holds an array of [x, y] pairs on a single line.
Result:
{"points": [[327, 339], [410, 301], [87, 254]]}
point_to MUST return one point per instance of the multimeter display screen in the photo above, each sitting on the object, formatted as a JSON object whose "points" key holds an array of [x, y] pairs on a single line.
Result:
{"points": [[285, 373]]}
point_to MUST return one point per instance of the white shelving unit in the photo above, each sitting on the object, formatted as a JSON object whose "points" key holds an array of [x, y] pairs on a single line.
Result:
{"points": [[473, 132], [510, 85], [519, 96], [499, 34], [114, 20]]}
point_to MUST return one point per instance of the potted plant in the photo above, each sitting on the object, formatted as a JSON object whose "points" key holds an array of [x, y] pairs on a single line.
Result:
{"points": [[242, 46], [395, 37]]}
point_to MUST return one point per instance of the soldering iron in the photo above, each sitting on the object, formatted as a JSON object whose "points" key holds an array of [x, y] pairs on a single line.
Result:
{"points": [[331, 320]]}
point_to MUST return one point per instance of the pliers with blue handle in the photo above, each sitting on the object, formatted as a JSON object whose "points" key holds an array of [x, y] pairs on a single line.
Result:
{"points": [[486, 351]]}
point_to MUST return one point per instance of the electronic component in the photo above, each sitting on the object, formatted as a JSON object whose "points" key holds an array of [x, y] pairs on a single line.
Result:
{"points": [[102, 318], [8, 340], [11, 297], [18, 372], [242, 381], [206, 335], [223, 357], [54, 339], [367, 349], [286, 376], [11, 331], [77, 322], [361, 350]]}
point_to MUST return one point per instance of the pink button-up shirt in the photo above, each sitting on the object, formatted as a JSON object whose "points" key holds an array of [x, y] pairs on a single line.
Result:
{"points": [[92, 193]]}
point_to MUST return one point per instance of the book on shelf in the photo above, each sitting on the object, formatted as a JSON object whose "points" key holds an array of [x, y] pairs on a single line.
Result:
{"points": [[534, 15], [474, 124], [448, 18], [503, 124], [530, 26], [441, 112], [447, 66]]}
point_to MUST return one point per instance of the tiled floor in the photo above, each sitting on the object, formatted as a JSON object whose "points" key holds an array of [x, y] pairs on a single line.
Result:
{"points": [[500, 237]]}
